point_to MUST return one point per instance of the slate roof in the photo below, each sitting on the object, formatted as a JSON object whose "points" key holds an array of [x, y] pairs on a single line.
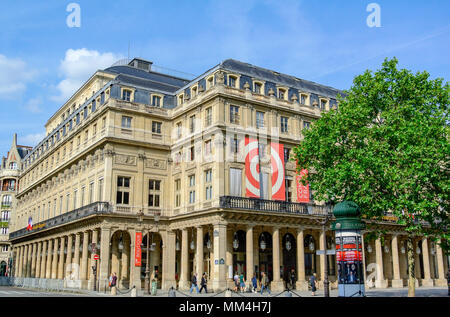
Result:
{"points": [[275, 77]]}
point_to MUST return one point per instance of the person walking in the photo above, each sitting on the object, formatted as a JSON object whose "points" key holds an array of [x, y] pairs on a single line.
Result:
{"points": [[194, 283], [313, 283], [254, 283], [236, 282], [292, 278], [264, 283], [242, 282], [203, 283]]}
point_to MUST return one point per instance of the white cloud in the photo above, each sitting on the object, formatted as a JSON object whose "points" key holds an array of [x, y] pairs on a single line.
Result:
{"points": [[32, 139], [34, 105], [14, 75], [78, 66]]}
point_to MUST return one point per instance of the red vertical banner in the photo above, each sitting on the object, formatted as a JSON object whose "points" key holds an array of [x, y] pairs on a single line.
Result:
{"points": [[277, 164], [302, 190], [252, 184], [137, 249]]}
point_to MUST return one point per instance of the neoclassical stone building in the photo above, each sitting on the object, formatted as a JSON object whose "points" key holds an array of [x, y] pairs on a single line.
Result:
{"points": [[9, 186], [163, 177]]}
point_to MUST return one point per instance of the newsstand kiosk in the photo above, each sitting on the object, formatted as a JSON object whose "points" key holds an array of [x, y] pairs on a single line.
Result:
{"points": [[347, 227]]}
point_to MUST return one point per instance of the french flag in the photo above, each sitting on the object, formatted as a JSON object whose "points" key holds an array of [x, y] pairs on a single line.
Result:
{"points": [[30, 224]]}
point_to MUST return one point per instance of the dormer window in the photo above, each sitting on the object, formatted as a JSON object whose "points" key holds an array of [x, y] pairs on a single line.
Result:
{"points": [[323, 104], [232, 81], [156, 101], [126, 95], [282, 93], [258, 88], [180, 99], [303, 99]]}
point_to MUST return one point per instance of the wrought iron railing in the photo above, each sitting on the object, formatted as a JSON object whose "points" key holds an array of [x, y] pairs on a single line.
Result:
{"points": [[92, 209], [232, 202]]}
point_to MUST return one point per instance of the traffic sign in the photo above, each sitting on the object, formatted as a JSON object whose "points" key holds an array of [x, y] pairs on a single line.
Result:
{"points": [[96, 257]]}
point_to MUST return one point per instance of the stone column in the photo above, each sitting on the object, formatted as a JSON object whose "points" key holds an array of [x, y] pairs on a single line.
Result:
{"points": [[301, 284], [380, 282], [19, 268], [91, 274], [43, 259], [169, 257], [427, 281], [104, 258], [48, 269], [61, 258], [33, 260], [38, 260], [84, 259], [441, 280], [397, 282], [322, 246], [277, 283], [199, 250], [135, 270], [124, 274], [184, 278], [115, 254], [29, 252], [68, 264], [249, 254], [55, 259], [76, 257], [219, 282]]}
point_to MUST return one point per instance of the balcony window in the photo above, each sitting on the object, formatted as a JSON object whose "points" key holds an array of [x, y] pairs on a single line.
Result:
{"points": [[284, 124], [282, 93], [232, 80], [234, 114], [123, 190], [156, 127], [154, 193], [126, 122], [259, 119]]}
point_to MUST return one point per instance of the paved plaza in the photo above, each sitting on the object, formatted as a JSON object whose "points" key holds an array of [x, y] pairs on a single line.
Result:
{"points": [[390, 292]]}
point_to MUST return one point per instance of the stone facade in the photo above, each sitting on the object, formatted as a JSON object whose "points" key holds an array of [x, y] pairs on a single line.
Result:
{"points": [[136, 153]]}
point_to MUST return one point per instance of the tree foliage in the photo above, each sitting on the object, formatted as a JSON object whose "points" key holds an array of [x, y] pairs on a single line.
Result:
{"points": [[386, 148]]}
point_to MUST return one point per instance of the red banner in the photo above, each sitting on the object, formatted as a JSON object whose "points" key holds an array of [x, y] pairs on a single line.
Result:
{"points": [[137, 249], [277, 161], [252, 184], [302, 190], [348, 256]]}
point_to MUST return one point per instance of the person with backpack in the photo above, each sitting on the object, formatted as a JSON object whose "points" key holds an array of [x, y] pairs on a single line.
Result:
{"points": [[313, 283], [292, 278], [203, 283], [194, 283]]}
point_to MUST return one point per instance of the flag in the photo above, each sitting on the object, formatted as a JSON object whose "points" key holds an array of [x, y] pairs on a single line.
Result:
{"points": [[30, 224]]}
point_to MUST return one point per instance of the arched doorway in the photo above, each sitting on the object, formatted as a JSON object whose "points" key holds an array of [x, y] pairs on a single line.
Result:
{"points": [[3, 268], [310, 258], [265, 255], [120, 258], [239, 260], [289, 256], [152, 246]]}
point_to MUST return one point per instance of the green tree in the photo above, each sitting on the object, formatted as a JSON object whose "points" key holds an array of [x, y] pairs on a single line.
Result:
{"points": [[386, 148]]}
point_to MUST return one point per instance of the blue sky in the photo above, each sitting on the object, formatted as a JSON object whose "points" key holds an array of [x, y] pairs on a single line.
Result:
{"points": [[42, 60]]}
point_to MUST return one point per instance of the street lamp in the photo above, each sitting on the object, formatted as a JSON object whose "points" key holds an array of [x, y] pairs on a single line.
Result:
{"points": [[263, 243], [235, 241], [288, 243], [369, 249]]}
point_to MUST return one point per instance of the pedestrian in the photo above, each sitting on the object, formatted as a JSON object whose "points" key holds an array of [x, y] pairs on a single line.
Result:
{"points": [[242, 282], [264, 283], [236, 282], [114, 280], [203, 283], [313, 283], [254, 283], [448, 281], [194, 283], [292, 278], [110, 280]]}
